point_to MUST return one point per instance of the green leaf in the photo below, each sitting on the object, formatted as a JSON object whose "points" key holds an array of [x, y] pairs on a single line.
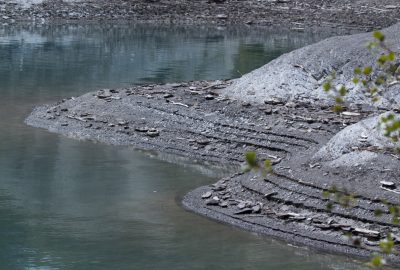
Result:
{"points": [[376, 261], [326, 194], [380, 80], [379, 36], [387, 245], [392, 56], [329, 207], [378, 212], [373, 90], [343, 91], [251, 159], [393, 69], [337, 109], [371, 45], [367, 70], [338, 100], [268, 166], [383, 59], [327, 86], [357, 70], [356, 80]]}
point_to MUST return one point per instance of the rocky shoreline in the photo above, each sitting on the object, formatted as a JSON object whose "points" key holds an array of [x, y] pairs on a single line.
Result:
{"points": [[361, 14], [218, 121], [194, 120]]}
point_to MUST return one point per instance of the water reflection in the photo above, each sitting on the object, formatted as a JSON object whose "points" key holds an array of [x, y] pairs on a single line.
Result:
{"points": [[67, 204], [101, 56]]}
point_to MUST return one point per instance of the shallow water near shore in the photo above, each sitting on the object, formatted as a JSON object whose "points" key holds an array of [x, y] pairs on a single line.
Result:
{"points": [[67, 204]]}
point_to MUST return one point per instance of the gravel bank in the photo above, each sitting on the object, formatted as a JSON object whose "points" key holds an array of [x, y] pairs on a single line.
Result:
{"points": [[360, 14], [193, 120]]}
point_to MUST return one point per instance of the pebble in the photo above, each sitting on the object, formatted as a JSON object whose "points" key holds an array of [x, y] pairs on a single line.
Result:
{"points": [[366, 232], [203, 142], [206, 195], [103, 95], [388, 184], [175, 85], [122, 123], [268, 111], [256, 208], [219, 187], [152, 132], [222, 16], [273, 101], [209, 97], [141, 129], [241, 205], [223, 204], [212, 202], [244, 211]]}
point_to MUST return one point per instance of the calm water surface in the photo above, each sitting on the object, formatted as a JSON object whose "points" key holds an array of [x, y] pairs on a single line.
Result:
{"points": [[67, 204]]}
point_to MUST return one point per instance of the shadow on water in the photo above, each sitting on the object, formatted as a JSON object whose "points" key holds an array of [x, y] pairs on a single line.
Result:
{"points": [[67, 204]]}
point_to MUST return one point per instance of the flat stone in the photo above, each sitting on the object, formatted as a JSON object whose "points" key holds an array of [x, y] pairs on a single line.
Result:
{"points": [[244, 211], [141, 129], [122, 123], [103, 95], [219, 187], [273, 101], [270, 195], [203, 142], [175, 85], [256, 209], [290, 215], [241, 205], [152, 132], [206, 195], [209, 97], [366, 232], [371, 243], [212, 202], [221, 16], [388, 184], [223, 204]]}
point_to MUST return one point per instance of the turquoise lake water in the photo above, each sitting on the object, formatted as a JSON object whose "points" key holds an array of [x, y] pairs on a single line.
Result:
{"points": [[67, 204]]}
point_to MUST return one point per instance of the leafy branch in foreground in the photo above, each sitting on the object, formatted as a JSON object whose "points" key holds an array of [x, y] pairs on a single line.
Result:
{"points": [[253, 163], [372, 82], [346, 200], [343, 198]]}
